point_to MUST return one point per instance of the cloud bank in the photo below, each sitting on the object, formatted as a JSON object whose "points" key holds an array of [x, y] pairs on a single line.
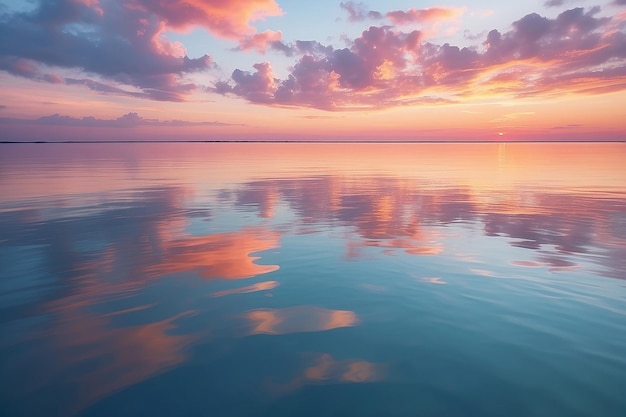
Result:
{"points": [[576, 52], [129, 120], [122, 48], [122, 42]]}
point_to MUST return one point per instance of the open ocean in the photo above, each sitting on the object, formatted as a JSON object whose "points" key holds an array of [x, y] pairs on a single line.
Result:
{"points": [[313, 280]]}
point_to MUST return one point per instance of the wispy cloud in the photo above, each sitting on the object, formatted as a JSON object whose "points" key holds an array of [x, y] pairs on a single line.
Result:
{"points": [[225, 18], [128, 120], [401, 17], [555, 3], [359, 11], [570, 126], [512, 116]]}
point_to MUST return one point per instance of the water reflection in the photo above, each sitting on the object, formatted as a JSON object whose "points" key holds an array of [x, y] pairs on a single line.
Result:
{"points": [[406, 214], [132, 272], [324, 369], [298, 319], [95, 257], [118, 357], [221, 255], [259, 286]]}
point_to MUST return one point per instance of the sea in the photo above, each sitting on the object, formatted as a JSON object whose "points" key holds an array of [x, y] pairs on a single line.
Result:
{"points": [[313, 279]]}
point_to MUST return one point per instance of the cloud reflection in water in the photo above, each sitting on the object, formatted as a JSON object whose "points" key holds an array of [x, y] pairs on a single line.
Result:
{"points": [[108, 288], [298, 319]]}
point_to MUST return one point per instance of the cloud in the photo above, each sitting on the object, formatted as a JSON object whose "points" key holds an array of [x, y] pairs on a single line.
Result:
{"points": [[554, 3], [575, 52], [570, 126], [400, 17], [124, 42], [358, 12], [300, 48], [128, 120], [228, 19], [324, 80], [149, 93], [122, 49], [619, 2], [261, 41], [512, 116]]}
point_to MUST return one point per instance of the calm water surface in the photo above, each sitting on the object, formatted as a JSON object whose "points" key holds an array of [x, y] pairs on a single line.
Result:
{"points": [[313, 280]]}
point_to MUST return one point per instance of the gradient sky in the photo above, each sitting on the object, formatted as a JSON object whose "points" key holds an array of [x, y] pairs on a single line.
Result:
{"points": [[288, 69]]}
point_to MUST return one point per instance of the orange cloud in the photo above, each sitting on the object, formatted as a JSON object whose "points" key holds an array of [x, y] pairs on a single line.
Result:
{"points": [[227, 19], [431, 14]]}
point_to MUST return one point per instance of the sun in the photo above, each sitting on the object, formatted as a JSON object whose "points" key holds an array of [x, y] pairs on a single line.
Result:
{"points": [[500, 133]]}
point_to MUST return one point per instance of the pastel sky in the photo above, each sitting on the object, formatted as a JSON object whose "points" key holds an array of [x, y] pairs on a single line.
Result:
{"points": [[312, 70]]}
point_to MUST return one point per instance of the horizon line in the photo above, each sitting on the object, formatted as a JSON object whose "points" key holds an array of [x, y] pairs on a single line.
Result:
{"points": [[336, 141]]}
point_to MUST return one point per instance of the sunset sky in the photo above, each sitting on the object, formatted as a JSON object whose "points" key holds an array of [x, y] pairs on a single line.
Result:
{"points": [[312, 70]]}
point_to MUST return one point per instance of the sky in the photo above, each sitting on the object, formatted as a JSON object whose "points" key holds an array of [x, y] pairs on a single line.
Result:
{"points": [[323, 70]]}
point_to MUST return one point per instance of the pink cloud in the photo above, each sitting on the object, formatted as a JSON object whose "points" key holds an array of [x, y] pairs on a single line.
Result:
{"points": [[259, 86], [358, 11], [260, 41], [92, 4], [326, 79], [576, 52], [400, 17], [224, 18], [125, 46], [128, 120]]}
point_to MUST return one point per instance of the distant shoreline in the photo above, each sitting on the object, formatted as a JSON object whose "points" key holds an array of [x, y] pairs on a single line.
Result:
{"points": [[356, 142]]}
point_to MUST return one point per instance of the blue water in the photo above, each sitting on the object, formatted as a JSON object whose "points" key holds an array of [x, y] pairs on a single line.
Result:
{"points": [[312, 280]]}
